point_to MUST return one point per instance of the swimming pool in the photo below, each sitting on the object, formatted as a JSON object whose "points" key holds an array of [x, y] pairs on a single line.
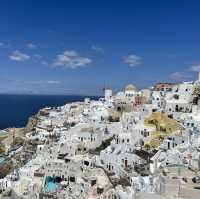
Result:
{"points": [[50, 184], [2, 159]]}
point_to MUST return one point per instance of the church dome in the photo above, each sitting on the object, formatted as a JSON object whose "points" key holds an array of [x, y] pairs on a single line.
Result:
{"points": [[130, 87]]}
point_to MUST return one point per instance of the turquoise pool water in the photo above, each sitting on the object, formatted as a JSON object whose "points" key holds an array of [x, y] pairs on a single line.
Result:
{"points": [[50, 184], [2, 160]]}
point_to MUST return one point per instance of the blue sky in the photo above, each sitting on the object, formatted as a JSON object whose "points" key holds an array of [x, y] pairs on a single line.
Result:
{"points": [[77, 47]]}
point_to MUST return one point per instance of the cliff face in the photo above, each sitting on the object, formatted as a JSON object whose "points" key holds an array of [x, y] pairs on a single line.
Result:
{"points": [[32, 123], [14, 138], [6, 169]]}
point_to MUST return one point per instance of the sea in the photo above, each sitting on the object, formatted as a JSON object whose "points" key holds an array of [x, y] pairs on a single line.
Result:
{"points": [[15, 110]]}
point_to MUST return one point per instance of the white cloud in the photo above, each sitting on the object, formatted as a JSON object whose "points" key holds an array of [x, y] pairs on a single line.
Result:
{"points": [[39, 59], [19, 56], [42, 82], [195, 68], [179, 76], [71, 59], [43, 62], [97, 49], [5, 44], [70, 53], [53, 82], [31, 46], [133, 60]]}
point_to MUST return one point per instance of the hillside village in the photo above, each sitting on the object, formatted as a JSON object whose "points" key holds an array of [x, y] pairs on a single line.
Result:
{"points": [[126, 145]]}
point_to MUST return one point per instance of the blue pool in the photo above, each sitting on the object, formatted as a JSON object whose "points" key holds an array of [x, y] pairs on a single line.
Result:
{"points": [[2, 160], [50, 184]]}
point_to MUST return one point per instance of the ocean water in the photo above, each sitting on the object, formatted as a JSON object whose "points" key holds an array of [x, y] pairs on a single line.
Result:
{"points": [[16, 109]]}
